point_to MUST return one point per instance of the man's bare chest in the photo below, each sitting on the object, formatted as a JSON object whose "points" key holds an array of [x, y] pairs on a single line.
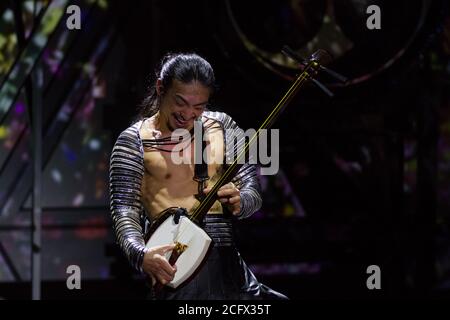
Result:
{"points": [[176, 162]]}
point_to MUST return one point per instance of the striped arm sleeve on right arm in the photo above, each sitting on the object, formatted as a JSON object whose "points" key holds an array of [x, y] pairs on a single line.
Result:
{"points": [[126, 172]]}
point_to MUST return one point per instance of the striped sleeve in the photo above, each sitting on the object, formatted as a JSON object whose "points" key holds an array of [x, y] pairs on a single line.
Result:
{"points": [[125, 173], [246, 180]]}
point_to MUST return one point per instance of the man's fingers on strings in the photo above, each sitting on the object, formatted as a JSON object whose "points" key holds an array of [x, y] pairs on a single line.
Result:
{"points": [[234, 200], [226, 192], [230, 185]]}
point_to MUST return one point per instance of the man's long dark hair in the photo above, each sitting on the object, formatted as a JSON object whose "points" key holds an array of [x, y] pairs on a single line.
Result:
{"points": [[184, 67]]}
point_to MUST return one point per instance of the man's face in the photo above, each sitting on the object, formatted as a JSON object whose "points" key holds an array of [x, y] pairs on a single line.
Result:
{"points": [[182, 103]]}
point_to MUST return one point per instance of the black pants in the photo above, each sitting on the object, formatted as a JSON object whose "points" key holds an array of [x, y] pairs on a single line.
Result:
{"points": [[224, 276]]}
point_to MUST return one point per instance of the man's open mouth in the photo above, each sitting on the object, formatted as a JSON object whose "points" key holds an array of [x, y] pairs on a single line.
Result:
{"points": [[179, 120]]}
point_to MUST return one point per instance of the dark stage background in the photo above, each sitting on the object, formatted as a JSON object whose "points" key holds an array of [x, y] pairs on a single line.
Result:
{"points": [[364, 177]]}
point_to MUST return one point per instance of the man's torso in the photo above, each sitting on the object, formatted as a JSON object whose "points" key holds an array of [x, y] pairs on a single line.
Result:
{"points": [[166, 183]]}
